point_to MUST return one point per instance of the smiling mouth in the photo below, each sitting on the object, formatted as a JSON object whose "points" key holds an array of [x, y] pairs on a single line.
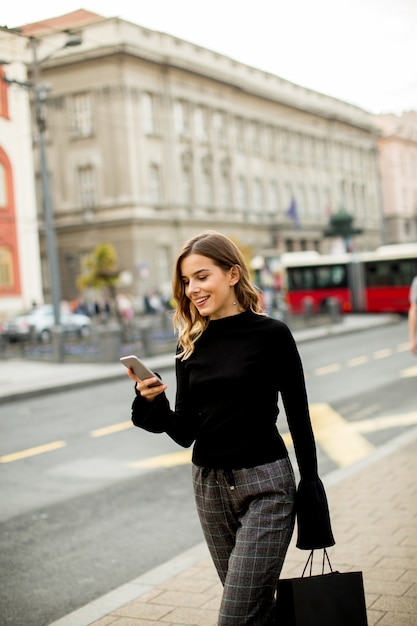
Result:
{"points": [[201, 301]]}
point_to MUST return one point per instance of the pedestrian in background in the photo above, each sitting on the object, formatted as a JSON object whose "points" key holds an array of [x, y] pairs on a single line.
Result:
{"points": [[412, 317], [232, 363]]}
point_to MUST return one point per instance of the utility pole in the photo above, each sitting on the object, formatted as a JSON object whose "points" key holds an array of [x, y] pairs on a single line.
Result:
{"points": [[40, 95]]}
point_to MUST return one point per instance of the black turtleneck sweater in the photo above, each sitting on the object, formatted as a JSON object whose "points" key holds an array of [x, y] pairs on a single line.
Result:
{"points": [[227, 405], [227, 397]]}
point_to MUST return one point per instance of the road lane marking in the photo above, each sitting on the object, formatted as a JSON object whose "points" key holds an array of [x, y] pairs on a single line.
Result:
{"points": [[109, 430], [358, 360], [382, 354], [410, 372], [384, 422], [403, 347], [335, 436], [373, 408], [327, 369], [24, 454], [349, 408], [165, 460]]}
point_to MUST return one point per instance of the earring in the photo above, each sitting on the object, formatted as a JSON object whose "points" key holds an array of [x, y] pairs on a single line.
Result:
{"points": [[234, 303]]}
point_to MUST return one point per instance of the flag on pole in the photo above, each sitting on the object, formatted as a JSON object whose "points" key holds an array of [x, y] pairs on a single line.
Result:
{"points": [[292, 213]]}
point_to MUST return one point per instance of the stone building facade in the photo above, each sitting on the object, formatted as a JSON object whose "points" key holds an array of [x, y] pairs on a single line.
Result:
{"points": [[152, 139], [398, 167]]}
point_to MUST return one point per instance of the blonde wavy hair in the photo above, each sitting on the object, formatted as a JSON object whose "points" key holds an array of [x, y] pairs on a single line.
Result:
{"points": [[225, 254]]}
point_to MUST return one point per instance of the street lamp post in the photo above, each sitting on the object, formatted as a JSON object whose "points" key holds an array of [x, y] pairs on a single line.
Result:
{"points": [[53, 262]]}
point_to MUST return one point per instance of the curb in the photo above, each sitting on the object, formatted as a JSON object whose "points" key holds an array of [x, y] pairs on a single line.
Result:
{"points": [[137, 587]]}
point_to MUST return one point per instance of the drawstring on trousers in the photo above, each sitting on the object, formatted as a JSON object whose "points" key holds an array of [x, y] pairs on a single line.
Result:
{"points": [[228, 474]]}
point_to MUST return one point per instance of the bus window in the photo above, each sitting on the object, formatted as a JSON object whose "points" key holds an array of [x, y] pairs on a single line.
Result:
{"points": [[330, 277], [389, 273], [300, 278]]}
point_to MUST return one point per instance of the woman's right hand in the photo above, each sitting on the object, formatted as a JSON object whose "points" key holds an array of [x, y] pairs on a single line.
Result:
{"points": [[143, 386]]}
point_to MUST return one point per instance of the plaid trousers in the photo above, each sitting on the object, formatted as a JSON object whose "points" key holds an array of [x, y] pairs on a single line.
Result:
{"points": [[247, 517]]}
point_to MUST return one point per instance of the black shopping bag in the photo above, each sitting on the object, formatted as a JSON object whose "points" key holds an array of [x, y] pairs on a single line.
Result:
{"points": [[334, 599]]}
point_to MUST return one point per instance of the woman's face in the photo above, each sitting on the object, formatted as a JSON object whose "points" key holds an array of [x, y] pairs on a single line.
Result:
{"points": [[209, 287]]}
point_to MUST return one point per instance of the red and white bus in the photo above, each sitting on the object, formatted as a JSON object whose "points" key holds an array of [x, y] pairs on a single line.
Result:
{"points": [[374, 282]]}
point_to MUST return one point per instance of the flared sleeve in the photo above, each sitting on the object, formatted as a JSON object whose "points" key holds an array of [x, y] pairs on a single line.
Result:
{"points": [[313, 517], [314, 528]]}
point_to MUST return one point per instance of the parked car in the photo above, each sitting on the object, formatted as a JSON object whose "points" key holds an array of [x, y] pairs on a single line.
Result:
{"points": [[38, 323]]}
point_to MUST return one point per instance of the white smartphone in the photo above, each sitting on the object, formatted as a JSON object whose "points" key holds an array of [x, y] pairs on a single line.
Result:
{"points": [[141, 371]]}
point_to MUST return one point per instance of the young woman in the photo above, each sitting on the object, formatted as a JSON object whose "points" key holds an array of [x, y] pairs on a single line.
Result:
{"points": [[232, 363]]}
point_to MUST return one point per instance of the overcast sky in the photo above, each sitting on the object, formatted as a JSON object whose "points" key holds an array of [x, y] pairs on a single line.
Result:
{"points": [[361, 51]]}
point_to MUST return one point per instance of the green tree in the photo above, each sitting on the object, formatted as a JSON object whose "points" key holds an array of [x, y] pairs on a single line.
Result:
{"points": [[101, 271]]}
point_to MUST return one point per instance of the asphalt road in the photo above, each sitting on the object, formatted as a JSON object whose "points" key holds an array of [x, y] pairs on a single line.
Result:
{"points": [[81, 519]]}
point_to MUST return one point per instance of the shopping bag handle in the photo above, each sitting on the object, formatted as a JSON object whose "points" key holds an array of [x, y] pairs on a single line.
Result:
{"points": [[310, 561]]}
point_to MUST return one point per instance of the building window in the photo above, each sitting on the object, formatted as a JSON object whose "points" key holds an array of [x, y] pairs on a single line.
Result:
{"points": [[164, 266], [220, 129], [242, 193], [302, 201], [273, 198], [225, 190], [148, 112], [315, 207], [4, 103], [271, 138], [288, 192], [6, 268], [201, 122], [206, 187], [289, 245], [258, 195], [255, 138], [3, 187], [285, 144], [240, 134], [181, 119], [154, 183], [186, 185], [81, 115], [87, 187]]}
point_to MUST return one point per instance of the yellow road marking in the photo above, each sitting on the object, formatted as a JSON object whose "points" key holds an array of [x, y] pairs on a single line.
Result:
{"points": [[386, 421], [403, 347], [382, 354], [409, 372], [327, 369], [165, 460], [23, 454], [366, 411], [109, 430], [338, 440], [359, 360]]}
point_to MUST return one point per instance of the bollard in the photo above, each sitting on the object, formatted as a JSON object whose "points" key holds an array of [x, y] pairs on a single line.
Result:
{"points": [[110, 339], [333, 307], [308, 309], [147, 338]]}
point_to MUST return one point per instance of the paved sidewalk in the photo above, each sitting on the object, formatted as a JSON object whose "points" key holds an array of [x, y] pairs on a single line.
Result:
{"points": [[374, 515]]}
